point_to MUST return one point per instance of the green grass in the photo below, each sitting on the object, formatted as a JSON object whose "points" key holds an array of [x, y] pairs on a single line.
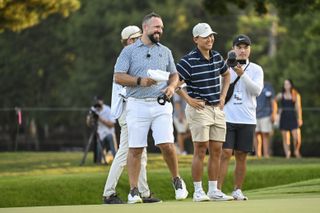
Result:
{"points": [[299, 189], [283, 205], [55, 178]]}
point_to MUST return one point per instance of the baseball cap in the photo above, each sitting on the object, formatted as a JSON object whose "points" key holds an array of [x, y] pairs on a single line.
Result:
{"points": [[202, 30], [241, 39], [131, 31]]}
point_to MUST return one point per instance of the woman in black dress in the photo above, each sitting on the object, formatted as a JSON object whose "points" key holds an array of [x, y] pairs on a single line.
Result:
{"points": [[290, 117]]}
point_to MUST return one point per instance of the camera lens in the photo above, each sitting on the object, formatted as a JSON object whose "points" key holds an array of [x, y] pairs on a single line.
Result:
{"points": [[232, 59], [162, 99]]}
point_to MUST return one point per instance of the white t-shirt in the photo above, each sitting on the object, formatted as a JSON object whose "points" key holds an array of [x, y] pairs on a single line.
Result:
{"points": [[241, 108], [103, 130]]}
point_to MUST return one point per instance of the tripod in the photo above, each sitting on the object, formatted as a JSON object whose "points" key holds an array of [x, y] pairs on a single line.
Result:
{"points": [[94, 136]]}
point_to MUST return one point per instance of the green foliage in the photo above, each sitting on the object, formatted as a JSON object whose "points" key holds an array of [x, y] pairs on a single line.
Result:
{"points": [[285, 8], [64, 62], [19, 15], [296, 59]]}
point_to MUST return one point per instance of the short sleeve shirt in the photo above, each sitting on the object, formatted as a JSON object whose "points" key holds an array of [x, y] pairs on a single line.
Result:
{"points": [[137, 58], [264, 101], [201, 75]]}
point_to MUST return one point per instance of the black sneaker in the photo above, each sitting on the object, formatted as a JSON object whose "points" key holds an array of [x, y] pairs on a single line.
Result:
{"points": [[112, 199], [151, 199]]}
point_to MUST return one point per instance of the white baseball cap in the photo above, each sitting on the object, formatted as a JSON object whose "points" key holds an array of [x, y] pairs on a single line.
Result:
{"points": [[202, 30], [131, 31]]}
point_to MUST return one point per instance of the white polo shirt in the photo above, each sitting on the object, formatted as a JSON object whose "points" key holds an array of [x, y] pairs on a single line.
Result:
{"points": [[241, 108]]}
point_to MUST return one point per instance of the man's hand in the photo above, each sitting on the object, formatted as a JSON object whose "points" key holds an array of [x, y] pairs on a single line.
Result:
{"points": [[222, 102], [147, 82], [94, 111], [196, 103], [169, 91], [238, 69]]}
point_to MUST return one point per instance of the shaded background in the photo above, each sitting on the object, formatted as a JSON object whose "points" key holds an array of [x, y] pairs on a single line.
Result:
{"points": [[56, 55]]}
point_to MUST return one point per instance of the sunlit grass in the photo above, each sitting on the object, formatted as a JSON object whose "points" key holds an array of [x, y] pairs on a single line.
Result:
{"points": [[56, 178], [46, 163]]}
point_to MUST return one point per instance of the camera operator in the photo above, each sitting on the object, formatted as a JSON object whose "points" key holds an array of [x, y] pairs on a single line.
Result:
{"points": [[240, 114], [100, 117]]}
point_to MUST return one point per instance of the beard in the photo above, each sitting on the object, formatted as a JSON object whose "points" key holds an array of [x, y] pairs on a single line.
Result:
{"points": [[153, 39]]}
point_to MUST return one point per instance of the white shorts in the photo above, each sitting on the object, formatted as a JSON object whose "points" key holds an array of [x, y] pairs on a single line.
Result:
{"points": [[264, 125], [143, 114], [181, 126]]}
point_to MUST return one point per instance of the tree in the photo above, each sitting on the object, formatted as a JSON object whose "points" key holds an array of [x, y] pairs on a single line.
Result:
{"points": [[285, 8], [22, 14]]}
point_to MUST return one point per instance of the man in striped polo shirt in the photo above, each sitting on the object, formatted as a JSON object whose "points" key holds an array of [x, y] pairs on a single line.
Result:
{"points": [[201, 70], [143, 110]]}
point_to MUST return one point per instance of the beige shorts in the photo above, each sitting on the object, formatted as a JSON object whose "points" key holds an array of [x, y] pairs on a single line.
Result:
{"points": [[207, 124], [264, 125]]}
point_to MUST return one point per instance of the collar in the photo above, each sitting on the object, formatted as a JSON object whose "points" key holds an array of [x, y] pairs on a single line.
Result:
{"points": [[140, 43], [201, 57]]}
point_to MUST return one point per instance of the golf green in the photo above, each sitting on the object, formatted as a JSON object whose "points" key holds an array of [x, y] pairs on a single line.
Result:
{"points": [[307, 203]]}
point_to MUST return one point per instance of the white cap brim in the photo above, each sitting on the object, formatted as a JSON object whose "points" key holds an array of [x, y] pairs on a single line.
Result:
{"points": [[135, 35], [206, 34]]}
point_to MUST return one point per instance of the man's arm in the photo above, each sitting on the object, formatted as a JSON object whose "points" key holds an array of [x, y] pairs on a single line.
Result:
{"points": [[106, 122], [125, 79], [172, 84], [254, 86], [225, 87], [193, 102]]}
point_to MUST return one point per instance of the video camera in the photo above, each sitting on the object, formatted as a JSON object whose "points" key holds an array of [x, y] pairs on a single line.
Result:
{"points": [[232, 59], [94, 113]]}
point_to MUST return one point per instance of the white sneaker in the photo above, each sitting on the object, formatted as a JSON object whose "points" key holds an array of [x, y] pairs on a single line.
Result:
{"points": [[199, 196], [238, 195], [180, 188], [218, 195], [134, 197]]}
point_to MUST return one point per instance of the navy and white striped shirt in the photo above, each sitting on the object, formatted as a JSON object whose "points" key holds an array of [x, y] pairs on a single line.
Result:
{"points": [[201, 75], [137, 58]]}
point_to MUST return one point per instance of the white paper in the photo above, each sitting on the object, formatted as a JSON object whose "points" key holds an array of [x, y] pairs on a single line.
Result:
{"points": [[158, 75]]}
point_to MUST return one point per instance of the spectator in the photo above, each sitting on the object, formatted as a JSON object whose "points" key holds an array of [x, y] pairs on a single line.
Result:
{"points": [[105, 128], [265, 118], [290, 117], [180, 123]]}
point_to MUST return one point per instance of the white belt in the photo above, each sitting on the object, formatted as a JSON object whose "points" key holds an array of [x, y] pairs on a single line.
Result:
{"points": [[143, 99]]}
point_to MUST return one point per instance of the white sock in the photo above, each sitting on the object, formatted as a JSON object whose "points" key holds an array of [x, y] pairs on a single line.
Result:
{"points": [[197, 186], [213, 185]]}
